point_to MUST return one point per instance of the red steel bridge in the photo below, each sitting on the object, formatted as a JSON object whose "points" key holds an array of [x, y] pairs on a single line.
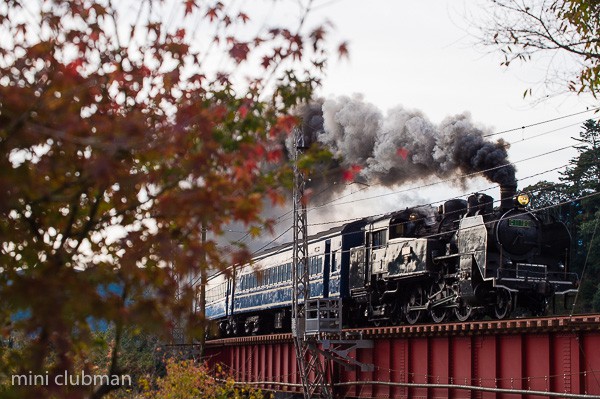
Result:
{"points": [[524, 358]]}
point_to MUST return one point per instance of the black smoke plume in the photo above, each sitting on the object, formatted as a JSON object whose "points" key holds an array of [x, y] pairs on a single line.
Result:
{"points": [[401, 147]]}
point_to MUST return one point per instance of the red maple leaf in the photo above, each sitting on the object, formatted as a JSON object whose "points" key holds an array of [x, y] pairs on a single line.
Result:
{"points": [[239, 51], [285, 124], [189, 6], [243, 17], [74, 65], [212, 14], [343, 50], [403, 152], [348, 174], [266, 61], [243, 111], [274, 155], [317, 35]]}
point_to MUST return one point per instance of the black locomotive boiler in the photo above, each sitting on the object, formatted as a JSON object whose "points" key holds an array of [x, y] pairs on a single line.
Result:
{"points": [[465, 259]]}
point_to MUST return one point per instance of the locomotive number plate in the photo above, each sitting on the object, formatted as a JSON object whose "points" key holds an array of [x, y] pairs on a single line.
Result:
{"points": [[519, 223]]}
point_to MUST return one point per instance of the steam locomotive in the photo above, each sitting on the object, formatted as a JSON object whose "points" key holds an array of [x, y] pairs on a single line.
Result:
{"points": [[464, 260]]}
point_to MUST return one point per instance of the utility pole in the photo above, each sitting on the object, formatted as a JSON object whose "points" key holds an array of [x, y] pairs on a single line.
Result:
{"points": [[202, 296], [177, 332], [307, 353]]}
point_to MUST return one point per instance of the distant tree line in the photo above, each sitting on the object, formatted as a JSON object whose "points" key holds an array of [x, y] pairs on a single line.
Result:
{"points": [[575, 201]]}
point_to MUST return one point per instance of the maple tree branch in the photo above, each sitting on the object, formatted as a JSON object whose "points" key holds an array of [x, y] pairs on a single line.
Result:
{"points": [[33, 225], [114, 359], [90, 223], [544, 33], [48, 196], [550, 37], [113, 16], [278, 64], [74, 208]]}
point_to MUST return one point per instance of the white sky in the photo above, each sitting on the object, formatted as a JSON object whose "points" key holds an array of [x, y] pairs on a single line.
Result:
{"points": [[419, 55]]}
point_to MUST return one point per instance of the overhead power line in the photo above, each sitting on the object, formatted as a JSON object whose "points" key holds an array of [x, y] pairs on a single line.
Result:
{"points": [[455, 178], [436, 235], [542, 122]]}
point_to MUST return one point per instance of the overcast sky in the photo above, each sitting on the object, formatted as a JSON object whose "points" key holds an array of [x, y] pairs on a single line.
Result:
{"points": [[421, 55]]}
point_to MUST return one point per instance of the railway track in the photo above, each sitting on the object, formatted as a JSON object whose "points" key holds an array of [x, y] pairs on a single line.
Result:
{"points": [[477, 327]]}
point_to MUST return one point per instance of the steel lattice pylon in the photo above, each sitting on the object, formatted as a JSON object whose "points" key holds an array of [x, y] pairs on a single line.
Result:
{"points": [[310, 363]]}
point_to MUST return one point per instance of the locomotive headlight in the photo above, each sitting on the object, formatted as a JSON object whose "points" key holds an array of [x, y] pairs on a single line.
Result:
{"points": [[522, 199]]}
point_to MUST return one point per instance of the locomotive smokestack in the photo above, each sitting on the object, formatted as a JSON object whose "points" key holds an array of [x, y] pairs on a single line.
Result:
{"points": [[507, 194]]}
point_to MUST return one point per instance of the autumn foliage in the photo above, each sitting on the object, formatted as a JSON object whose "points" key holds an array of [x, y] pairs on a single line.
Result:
{"points": [[187, 379], [125, 129]]}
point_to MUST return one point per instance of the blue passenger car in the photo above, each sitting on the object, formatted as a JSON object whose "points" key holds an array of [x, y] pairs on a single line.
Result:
{"points": [[258, 296]]}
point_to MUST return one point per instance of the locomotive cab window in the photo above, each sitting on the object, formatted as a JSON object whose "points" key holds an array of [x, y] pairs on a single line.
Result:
{"points": [[378, 239], [397, 229]]}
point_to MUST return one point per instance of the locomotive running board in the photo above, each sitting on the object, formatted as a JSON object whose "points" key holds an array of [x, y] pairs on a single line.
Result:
{"points": [[444, 257]]}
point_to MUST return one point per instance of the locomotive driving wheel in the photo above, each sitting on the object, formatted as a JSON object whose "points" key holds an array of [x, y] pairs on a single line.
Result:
{"points": [[503, 304], [437, 292], [464, 311], [414, 299], [233, 328]]}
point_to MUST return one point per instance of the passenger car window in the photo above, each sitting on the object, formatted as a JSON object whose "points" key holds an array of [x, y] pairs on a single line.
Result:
{"points": [[333, 261]]}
